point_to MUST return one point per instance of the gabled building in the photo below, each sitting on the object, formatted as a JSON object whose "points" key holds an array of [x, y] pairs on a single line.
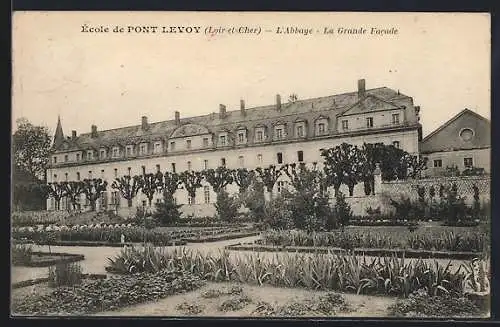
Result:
{"points": [[280, 133], [463, 142]]}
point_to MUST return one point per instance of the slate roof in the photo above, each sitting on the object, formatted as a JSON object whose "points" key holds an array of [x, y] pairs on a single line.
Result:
{"points": [[382, 98]]}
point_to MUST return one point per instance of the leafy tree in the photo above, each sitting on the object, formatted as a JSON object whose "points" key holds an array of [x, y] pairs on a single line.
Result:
{"points": [[73, 191], [167, 211], [269, 177], [254, 199], [411, 166], [56, 191], [218, 178], [343, 164], [226, 206], [93, 189], [150, 184], [171, 182], [128, 187], [191, 181], [31, 146], [28, 192], [243, 178]]}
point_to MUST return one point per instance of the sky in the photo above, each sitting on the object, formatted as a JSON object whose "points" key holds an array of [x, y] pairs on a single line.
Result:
{"points": [[112, 79]]}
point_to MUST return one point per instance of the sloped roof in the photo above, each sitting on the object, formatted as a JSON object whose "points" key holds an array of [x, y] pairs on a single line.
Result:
{"points": [[334, 104], [447, 136]]}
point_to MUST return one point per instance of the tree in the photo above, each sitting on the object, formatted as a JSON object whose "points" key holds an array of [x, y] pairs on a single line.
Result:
{"points": [[93, 189], [150, 184], [218, 178], [73, 191], [342, 210], [128, 187], [191, 181], [343, 164], [167, 211], [243, 178], [226, 206], [269, 177], [28, 192], [171, 182], [31, 146], [56, 191], [254, 199]]}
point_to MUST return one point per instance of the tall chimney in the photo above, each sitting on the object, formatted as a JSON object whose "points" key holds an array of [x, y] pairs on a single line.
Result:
{"points": [[144, 123], [242, 107], [222, 111], [94, 131], [177, 118], [73, 134], [361, 88], [278, 102]]}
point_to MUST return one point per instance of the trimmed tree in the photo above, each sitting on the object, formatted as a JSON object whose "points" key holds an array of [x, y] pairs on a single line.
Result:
{"points": [[171, 182], [56, 191], [243, 178], [128, 187], [191, 181], [343, 164], [150, 184], [218, 178], [93, 189], [269, 176], [73, 191]]}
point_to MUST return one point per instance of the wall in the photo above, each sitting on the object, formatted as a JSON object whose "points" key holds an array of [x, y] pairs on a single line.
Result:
{"points": [[480, 157]]}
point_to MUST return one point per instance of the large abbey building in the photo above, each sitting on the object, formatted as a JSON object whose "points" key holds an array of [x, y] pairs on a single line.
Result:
{"points": [[280, 133]]}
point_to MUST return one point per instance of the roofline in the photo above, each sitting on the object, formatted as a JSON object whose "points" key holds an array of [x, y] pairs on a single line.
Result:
{"points": [[440, 128]]}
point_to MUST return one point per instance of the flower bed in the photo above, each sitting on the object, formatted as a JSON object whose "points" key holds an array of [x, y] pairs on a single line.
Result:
{"points": [[400, 253], [222, 237], [31, 282], [338, 272], [106, 244], [428, 240], [45, 259], [106, 294]]}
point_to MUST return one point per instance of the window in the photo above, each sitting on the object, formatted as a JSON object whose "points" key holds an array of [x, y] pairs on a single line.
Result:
{"points": [[279, 133], [103, 154], [189, 165], [116, 173], [467, 134], [143, 170], [260, 136], [143, 149], [55, 159], [205, 141], [90, 174], [55, 178], [66, 177], [345, 124], [300, 156], [396, 144], [77, 176], [206, 194], [468, 162], [222, 140], [223, 162], [129, 150], [65, 158], [102, 173], [77, 157], [321, 128], [280, 184], [157, 147], [129, 171], [188, 144], [369, 122], [438, 163], [190, 200], [205, 164], [172, 146], [241, 137], [300, 131], [279, 156], [259, 159], [116, 152], [173, 167], [395, 118], [114, 198], [158, 168], [241, 161]]}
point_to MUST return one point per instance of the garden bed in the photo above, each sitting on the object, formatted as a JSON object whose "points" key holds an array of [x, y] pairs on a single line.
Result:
{"points": [[222, 237], [31, 282], [407, 253], [99, 243], [45, 259]]}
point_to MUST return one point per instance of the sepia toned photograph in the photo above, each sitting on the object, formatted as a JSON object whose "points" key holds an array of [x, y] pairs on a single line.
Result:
{"points": [[244, 164]]}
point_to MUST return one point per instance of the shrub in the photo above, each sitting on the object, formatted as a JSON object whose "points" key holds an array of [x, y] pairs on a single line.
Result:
{"points": [[21, 254], [342, 209], [65, 274], [167, 211], [278, 213], [405, 209], [226, 206], [235, 303], [254, 200]]}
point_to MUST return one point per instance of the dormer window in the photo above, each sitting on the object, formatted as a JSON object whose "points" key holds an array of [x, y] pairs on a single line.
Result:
{"points": [[260, 136], [321, 126], [143, 149], [102, 154], [279, 132], [222, 140], [90, 155], [157, 147], [300, 128], [77, 157], [116, 152], [242, 135], [300, 131], [129, 150]]}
